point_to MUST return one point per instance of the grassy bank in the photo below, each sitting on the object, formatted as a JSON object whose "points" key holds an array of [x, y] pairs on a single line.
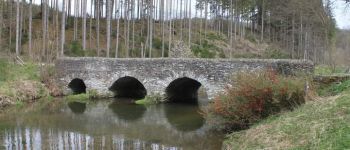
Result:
{"points": [[320, 124], [20, 83]]}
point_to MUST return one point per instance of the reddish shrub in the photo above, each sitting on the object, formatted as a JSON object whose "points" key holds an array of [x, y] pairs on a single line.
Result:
{"points": [[254, 96]]}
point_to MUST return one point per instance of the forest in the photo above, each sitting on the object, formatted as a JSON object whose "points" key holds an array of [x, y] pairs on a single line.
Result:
{"points": [[47, 29], [173, 74]]}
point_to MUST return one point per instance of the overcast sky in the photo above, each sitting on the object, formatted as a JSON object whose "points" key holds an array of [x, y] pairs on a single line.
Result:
{"points": [[341, 14]]}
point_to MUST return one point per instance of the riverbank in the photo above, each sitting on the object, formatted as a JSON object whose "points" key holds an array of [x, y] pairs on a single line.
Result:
{"points": [[320, 124], [20, 84]]}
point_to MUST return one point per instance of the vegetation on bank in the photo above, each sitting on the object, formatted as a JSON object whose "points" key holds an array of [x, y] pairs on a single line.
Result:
{"points": [[20, 84], [333, 89], [254, 97], [320, 124], [84, 97], [329, 70], [150, 100]]}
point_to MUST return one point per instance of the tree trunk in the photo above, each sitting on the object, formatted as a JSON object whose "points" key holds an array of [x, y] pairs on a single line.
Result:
{"points": [[30, 29], [1, 22], [63, 26], [21, 26], [75, 32], [98, 27], [108, 26], [17, 28], [84, 23], [117, 40], [189, 24], [151, 29], [170, 27], [262, 21], [163, 27], [90, 26]]}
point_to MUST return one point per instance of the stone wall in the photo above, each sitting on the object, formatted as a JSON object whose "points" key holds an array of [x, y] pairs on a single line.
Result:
{"points": [[156, 74]]}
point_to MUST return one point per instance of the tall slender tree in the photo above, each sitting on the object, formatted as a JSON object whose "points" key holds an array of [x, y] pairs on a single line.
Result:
{"points": [[17, 28], [108, 28], [84, 23], [63, 27], [30, 27], [118, 5]]}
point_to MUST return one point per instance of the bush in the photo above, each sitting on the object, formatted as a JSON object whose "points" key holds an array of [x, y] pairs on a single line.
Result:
{"points": [[75, 49], [253, 97], [205, 50]]}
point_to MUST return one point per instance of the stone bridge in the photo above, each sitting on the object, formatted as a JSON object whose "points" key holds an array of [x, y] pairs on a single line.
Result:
{"points": [[162, 75]]}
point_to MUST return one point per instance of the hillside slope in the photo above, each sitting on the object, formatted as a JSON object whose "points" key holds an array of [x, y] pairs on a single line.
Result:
{"points": [[319, 124]]}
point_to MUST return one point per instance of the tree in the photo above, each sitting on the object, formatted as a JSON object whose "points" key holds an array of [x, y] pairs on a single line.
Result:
{"points": [[108, 26], [17, 28], [1, 23], [117, 7], [84, 23], [98, 14], [63, 26]]}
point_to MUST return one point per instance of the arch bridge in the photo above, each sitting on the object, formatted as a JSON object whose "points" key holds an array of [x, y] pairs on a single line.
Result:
{"points": [[165, 76]]}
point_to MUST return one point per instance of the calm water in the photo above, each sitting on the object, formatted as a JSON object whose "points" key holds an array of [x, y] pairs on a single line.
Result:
{"points": [[107, 124]]}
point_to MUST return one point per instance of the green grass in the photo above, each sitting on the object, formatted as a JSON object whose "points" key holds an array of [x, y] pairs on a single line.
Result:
{"points": [[150, 100], [328, 70], [21, 83], [85, 97], [11, 72], [334, 88], [321, 124]]}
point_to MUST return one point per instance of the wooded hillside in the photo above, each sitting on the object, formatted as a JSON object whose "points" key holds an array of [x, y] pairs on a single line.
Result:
{"points": [[303, 29]]}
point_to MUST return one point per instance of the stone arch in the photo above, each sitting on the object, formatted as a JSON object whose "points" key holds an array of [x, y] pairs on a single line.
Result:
{"points": [[77, 86], [183, 90], [128, 87]]}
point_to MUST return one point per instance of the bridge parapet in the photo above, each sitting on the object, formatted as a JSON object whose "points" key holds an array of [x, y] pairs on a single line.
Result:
{"points": [[157, 73]]}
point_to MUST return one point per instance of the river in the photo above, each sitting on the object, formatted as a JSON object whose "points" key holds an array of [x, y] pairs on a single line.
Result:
{"points": [[106, 124]]}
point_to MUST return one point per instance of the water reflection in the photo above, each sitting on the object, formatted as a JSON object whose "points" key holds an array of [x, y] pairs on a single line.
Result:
{"points": [[77, 107], [126, 110], [184, 117], [108, 125], [37, 139]]}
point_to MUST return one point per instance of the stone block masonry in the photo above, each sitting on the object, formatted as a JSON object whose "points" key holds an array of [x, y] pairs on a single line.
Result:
{"points": [[157, 73]]}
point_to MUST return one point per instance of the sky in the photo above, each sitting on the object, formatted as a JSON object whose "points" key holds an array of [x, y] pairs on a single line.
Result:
{"points": [[342, 15]]}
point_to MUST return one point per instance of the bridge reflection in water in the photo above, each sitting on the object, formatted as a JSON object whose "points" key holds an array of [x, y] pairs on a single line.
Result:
{"points": [[36, 139], [108, 124]]}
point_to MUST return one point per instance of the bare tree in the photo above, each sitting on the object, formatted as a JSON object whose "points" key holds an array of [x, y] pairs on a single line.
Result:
{"points": [[108, 26], [84, 23], [63, 27], [98, 15], [118, 20], [17, 28], [30, 28]]}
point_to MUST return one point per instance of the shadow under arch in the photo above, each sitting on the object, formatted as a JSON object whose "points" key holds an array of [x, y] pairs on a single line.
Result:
{"points": [[183, 90], [77, 107], [128, 87], [77, 86], [184, 117], [127, 111]]}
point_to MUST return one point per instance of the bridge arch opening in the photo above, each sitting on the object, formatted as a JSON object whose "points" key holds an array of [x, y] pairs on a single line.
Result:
{"points": [[183, 90], [128, 87], [77, 86]]}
